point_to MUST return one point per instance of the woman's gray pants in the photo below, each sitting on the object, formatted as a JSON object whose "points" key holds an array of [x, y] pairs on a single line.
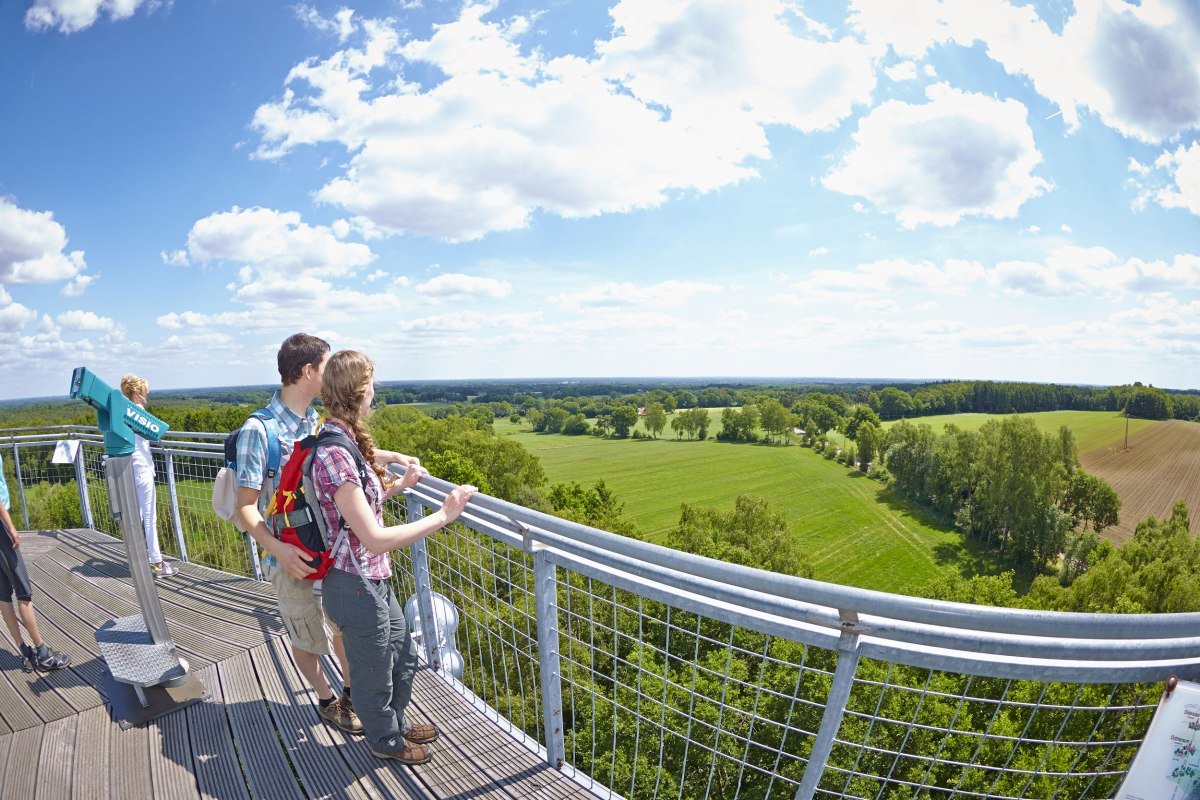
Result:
{"points": [[382, 656]]}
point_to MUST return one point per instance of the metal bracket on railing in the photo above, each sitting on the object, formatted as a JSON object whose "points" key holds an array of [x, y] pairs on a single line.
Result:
{"points": [[526, 534]]}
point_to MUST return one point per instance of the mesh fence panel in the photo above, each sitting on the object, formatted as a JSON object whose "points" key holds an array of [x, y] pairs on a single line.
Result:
{"points": [[911, 732], [665, 703], [491, 584], [209, 540]]}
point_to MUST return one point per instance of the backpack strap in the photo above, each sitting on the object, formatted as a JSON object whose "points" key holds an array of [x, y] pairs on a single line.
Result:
{"points": [[271, 428]]}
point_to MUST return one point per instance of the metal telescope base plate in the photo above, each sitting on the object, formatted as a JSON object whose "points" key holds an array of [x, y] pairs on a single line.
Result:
{"points": [[145, 679]]}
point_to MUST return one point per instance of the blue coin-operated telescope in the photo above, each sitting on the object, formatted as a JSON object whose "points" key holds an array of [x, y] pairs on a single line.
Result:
{"points": [[116, 416], [138, 649]]}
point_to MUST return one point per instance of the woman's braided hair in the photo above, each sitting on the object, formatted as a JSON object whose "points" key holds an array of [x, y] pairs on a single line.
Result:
{"points": [[348, 375]]}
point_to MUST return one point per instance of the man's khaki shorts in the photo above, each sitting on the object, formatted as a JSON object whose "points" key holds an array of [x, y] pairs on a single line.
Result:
{"points": [[307, 624]]}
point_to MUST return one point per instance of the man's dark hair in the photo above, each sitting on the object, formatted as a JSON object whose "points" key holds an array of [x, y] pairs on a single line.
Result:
{"points": [[296, 351]]}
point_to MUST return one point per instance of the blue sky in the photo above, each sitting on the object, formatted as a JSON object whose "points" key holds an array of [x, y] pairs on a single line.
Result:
{"points": [[928, 189]]}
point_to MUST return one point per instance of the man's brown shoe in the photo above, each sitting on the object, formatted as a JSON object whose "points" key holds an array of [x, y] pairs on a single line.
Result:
{"points": [[422, 734], [411, 754], [340, 717]]}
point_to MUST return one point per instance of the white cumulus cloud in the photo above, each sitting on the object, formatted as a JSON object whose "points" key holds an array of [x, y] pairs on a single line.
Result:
{"points": [[959, 154], [456, 286], [1133, 64], [33, 247], [79, 320], [275, 242], [341, 23], [676, 100], [71, 16], [1173, 181]]}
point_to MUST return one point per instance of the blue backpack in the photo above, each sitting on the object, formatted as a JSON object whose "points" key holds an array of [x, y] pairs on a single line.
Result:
{"points": [[224, 499]]}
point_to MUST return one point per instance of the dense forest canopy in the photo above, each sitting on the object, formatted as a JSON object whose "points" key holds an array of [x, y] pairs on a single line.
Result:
{"points": [[593, 398]]}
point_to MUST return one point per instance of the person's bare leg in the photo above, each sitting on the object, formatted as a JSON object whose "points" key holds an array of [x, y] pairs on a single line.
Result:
{"points": [[10, 620], [339, 650], [310, 668], [25, 608]]}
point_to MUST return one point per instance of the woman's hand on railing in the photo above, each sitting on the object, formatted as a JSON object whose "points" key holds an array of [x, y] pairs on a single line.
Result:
{"points": [[453, 505], [412, 474]]}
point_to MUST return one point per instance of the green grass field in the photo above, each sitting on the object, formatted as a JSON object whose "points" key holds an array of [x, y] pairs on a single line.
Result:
{"points": [[1092, 429], [853, 531]]}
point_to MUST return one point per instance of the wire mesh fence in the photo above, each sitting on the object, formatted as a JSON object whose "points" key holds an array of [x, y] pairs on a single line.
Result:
{"points": [[491, 585], [646, 674]]}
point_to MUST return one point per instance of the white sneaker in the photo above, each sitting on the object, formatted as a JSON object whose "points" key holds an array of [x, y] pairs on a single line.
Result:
{"points": [[163, 570]]}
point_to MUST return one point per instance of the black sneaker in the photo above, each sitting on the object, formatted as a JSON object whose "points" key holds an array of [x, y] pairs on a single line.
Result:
{"points": [[42, 659]]}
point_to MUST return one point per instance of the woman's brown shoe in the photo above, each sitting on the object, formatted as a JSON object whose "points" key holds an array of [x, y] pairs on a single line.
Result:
{"points": [[423, 734], [412, 754]]}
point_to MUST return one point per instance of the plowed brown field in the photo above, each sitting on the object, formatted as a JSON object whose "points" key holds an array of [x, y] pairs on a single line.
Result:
{"points": [[1162, 466]]}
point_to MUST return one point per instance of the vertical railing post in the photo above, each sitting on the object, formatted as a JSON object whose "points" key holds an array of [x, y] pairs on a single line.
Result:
{"points": [[85, 500], [424, 585], [176, 520], [20, 487], [254, 562], [545, 589], [835, 709]]}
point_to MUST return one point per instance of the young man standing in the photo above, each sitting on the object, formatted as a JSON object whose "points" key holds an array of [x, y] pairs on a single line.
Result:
{"points": [[14, 580], [301, 363]]}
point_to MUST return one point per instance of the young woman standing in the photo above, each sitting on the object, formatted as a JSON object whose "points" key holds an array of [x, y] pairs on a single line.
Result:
{"points": [[357, 592], [137, 390]]}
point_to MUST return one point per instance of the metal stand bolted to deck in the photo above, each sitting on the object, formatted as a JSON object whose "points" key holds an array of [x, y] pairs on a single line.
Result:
{"points": [[146, 675]]}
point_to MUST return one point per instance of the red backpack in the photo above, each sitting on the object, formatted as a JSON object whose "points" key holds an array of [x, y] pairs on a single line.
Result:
{"points": [[294, 514]]}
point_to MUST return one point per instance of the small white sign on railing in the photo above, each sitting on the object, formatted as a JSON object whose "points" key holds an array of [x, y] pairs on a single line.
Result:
{"points": [[1167, 765], [65, 451]]}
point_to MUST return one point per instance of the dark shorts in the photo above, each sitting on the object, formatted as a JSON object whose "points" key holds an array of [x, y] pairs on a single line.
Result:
{"points": [[13, 577]]}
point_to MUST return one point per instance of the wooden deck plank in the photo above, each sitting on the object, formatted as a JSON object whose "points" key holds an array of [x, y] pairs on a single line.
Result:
{"points": [[113, 578], [56, 759], [20, 774], [267, 768], [16, 709], [311, 743], [129, 768], [106, 548], [5, 745], [186, 597], [79, 621], [500, 761], [46, 692], [171, 757], [63, 630], [110, 603], [214, 761], [92, 754]]}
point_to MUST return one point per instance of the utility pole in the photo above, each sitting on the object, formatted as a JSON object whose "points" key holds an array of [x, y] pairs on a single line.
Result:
{"points": [[1127, 427]]}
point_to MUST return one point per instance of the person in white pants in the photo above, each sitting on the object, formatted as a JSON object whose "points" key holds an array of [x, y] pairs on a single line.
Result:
{"points": [[137, 389]]}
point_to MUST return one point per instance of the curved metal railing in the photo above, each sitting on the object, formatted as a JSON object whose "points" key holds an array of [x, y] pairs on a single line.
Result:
{"points": [[645, 672]]}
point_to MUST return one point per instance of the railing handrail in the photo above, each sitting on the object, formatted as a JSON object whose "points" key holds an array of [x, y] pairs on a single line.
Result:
{"points": [[881, 605]]}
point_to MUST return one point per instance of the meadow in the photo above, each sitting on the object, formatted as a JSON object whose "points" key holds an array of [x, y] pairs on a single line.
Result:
{"points": [[1092, 429], [853, 530]]}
